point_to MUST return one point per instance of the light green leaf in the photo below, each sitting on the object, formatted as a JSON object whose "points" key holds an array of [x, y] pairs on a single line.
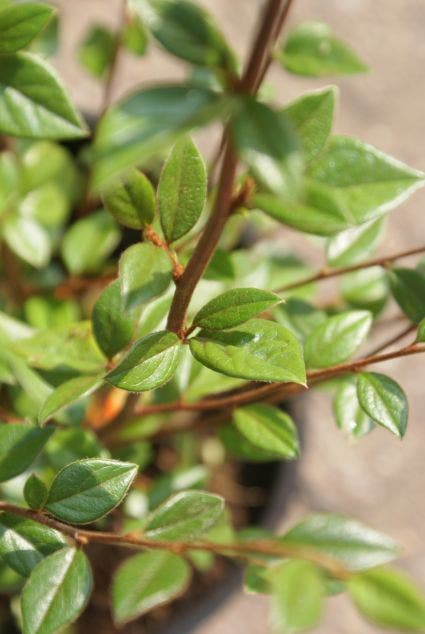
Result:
{"points": [[36, 388], [47, 42], [113, 326], [134, 36], [234, 307], [354, 244], [145, 272], [259, 350], [269, 429], [132, 201], [384, 401], [33, 102], [408, 288], [88, 243], [388, 598], [421, 331], [297, 596], [182, 189], [356, 546], [185, 515], [145, 581], [97, 50], [28, 239], [35, 492], [67, 393], [238, 446], [24, 543], [20, 443], [337, 338], [21, 23], [311, 49], [299, 316], [350, 417], [151, 362], [367, 288], [88, 489], [56, 592]]}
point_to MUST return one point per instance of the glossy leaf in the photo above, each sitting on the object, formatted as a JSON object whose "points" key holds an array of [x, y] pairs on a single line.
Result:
{"points": [[19, 24], [408, 288], [67, 393], [145, 272], [28, 239], [356, 546], [86, 490], [311, 49], [259, 350], [350, 417], [113, 326], [132, 201], [97, 51], [384, 401], [33, 102], [182, 190], [337, 338], [20, 443], [151, 362], [269, 429], [56, 592], [234, 307], [35, 492], [24, 543], [354, 244]]}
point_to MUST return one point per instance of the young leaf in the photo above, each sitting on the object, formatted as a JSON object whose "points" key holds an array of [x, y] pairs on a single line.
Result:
{"points": [[259, 350], [182, 189], [20, 443], [384, 401], [67, 393], [350, 417], [24, 543], [132, 201], [356, 546], [337, 338], [112, 325], [88, 489], [389, 599], [269, 429], [297, 596], [145, 272], [354, 244], [19, 24], [145, 581], [35, 492], [151, 362], [56, 592], [408, 288], [96, 52], [311, 49], [234, 307], [32, 101], [185, 515]]}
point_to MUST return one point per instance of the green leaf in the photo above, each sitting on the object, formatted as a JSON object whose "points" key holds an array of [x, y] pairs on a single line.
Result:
{"points": [[312, 116], [33, 103], [363, 182], [297, 596], [31, 382], [88, 243], [113, 327], [337, 338], [421, 331], [145, 272], [367, 288], [384, 401], [356, 546], [97, 50], [19, 24], [389, 599], [238, 446], [299, 316], [259, 350], [88, 489], [132, 201], [56, 592], [350, 417], [20, 443], [24, 543], [311, 49], [182, 190], [354, 244], [28, 239], [408, 288], [234, 307], [66, 394], [68, 445], [151, 362], [145, 581], [35, 492], [134, 36], [47, 42], [185, 515], [269, 429]]}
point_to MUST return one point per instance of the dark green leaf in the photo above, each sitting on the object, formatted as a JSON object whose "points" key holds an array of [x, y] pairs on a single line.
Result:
{"points": [[354, 244], [132, 201], [408, 288], [384, 401], [32, 101], [66, 394], [20, 443], [113, 326], [311, 49], [35, 492], [151, 362], [421, 331], [24, 543], [356, 546], [269, 429], [337, 338], [145, 581], [234, 307], [259, 350], [97, 51], [389, 599], [350, 417], [87, 489], [56, 592], [182, 190], [19, 24]]}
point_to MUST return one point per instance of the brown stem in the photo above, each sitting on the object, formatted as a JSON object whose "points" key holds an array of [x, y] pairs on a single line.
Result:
{"points": [[151, 235]]}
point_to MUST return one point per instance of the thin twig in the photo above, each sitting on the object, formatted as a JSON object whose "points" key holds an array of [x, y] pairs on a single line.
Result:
{"points": [[151, 235], [394, 339], [110, 78]]}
